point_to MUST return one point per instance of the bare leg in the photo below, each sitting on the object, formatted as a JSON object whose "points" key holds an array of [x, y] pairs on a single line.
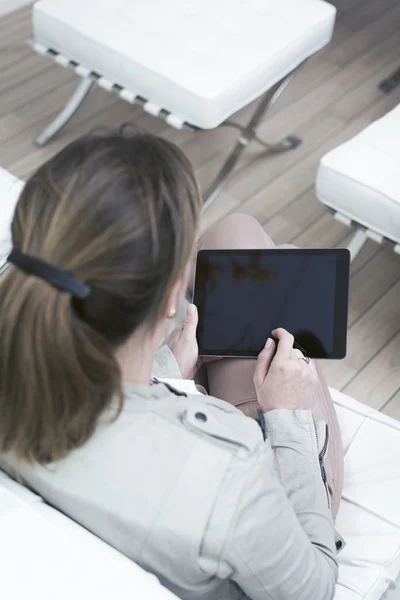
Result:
{"points": [[232, 379]]}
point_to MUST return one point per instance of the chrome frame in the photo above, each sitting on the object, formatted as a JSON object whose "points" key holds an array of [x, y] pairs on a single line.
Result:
{"points": [[362, 234], [67, 112]]}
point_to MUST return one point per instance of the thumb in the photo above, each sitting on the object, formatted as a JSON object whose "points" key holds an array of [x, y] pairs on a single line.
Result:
{"points": [[190, 322], [264, 361]]}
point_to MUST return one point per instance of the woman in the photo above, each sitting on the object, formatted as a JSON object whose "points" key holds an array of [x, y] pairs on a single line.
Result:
{"points": [[103, 239]]}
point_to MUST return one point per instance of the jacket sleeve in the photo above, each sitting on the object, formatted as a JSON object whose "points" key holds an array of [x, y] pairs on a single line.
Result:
{"points": [[281, 543]]}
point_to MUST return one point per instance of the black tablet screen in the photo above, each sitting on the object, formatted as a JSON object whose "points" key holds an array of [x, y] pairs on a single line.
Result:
{"points": [[243, 296]]}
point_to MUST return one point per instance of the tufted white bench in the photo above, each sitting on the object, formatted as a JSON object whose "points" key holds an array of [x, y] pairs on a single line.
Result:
{"points": [[360, 182], [193, 63], [368, 519]]}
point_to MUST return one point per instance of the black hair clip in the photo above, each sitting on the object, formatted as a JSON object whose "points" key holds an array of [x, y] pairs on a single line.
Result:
{"points": [[56, 277]]}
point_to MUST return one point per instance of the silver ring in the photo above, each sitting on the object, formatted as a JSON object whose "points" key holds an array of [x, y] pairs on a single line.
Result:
{"points": [[306, 359]]}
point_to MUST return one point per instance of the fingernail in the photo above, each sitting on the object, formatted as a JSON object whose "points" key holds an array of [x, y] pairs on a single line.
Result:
{"points": [[192, 309], [268, 343]]}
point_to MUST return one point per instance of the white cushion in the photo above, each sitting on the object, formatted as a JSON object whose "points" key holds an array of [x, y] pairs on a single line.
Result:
{"points": [[44, 555], [369, 514], [10, 188], [48, 548], [360, 178], [200, 59]]}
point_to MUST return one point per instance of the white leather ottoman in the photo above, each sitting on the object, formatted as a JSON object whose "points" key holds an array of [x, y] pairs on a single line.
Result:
{"points": [[360, 181], [192, 62], [42, 551]]}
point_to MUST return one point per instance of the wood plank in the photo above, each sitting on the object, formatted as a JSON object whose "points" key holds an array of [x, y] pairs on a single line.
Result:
{"points": [[8, 126], [12, 56], [360, 15], [349, 37], [274, 196], [21, 145], [295, 217], [323, 233], [17, 17], [367, 337], [18, 129], [361, 27], [20, 28], [281, 174], [43, 79], [85, 121], [295, 174], [372, 281], [29, 67], [372, 384], [378, 48], [368, 251], [344, 47], [105, 118], [41, 109], [392, 407]]}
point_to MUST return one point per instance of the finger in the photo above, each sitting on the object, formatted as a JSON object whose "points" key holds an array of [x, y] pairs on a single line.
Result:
{"points": [[296, 353], [264, 361], [285, 346], [190, 322], [174, 335]]}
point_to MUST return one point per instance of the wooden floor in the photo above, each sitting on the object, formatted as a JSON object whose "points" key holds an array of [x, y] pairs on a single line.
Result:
{"points": [[333, 98]]}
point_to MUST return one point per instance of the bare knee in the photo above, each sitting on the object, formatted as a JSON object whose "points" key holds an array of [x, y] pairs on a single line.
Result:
{"points": [[236, 231], [239, 220]]}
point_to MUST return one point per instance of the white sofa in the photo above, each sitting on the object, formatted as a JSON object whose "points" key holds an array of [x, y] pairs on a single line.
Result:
{"points": [[44, 555]]}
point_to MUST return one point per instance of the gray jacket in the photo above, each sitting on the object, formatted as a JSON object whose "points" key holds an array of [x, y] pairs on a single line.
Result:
{"points": [[187, 488]]}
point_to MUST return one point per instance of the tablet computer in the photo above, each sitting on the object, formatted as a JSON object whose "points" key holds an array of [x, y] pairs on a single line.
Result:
{"points": [[243, 295]]}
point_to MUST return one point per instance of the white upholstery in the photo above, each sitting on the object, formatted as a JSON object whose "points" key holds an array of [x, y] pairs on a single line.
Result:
{"points": [[360, 179], [44, 555], [369, 515], [10, 188], [42, 551], [200, 59]]}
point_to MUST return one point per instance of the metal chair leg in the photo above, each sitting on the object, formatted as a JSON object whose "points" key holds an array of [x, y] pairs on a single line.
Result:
{"points": [[67, 112], [288, 143], [248, 134], [226, 169], [356, 243]]}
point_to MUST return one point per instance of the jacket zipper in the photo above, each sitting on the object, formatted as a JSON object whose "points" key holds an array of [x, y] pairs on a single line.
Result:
{"points": [[321, 457]]}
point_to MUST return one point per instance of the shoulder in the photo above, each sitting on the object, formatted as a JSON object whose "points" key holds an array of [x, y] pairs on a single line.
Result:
{"points": [[219, 423]]}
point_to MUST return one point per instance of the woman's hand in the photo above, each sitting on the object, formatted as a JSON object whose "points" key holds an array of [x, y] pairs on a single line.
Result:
{"points": [[284, 381], [183, 344]]}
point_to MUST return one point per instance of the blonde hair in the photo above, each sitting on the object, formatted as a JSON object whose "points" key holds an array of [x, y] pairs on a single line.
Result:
{"points": [[119, 211]]}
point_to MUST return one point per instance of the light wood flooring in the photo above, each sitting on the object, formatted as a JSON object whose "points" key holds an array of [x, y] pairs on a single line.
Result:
{"points": [[331, 99]]}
